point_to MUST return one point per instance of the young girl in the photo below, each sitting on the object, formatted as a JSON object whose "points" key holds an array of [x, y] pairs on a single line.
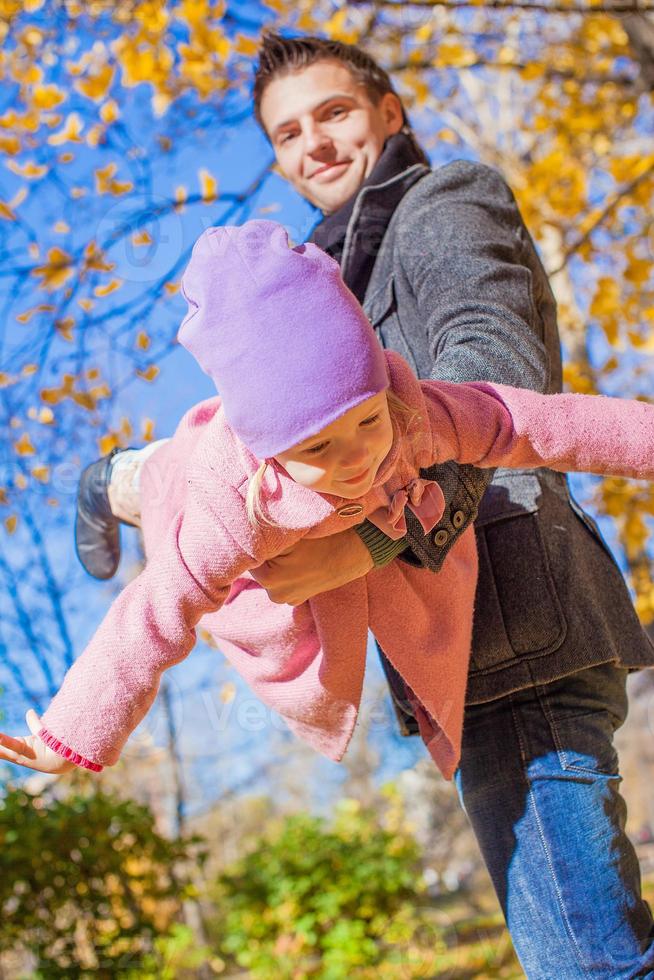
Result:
{"points": [[316, 428]]}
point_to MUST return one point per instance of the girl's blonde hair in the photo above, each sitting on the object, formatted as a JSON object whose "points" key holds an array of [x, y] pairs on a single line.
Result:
{"points": [[402, 415]]}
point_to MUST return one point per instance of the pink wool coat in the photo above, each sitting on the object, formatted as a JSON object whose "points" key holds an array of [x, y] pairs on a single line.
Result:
{"points": [[307, 662]]}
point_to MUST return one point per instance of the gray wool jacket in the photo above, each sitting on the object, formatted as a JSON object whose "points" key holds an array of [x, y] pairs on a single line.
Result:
{"points": [[450, 279]]}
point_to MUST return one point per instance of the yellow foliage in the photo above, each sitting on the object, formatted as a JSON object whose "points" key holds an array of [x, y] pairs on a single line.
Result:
{"points": [[95, 86], [61, 228], [208, 186], [47, 96], [7, 379], [624, 169], [64, 327], [149, 374], [141, 238], [453, 54], [57, 270], [110, 287], [180, 198], [11, 523], [71, 131], [109, 111], [335, 27], [94, 259], [606, 300], [29, 170], [171, 288], [246, 45], [142, 340], [24, 446], [10, 145], [107, 443], [105, 184], [28, 314], [147, 430], [6, 212], [41, 473]]}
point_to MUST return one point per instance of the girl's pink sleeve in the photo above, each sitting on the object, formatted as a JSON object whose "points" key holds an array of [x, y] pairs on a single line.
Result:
{"points": [[149, 627], [495, 425]]}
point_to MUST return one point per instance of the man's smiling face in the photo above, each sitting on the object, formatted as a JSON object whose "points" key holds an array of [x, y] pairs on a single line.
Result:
{"points": [[326, 132]]}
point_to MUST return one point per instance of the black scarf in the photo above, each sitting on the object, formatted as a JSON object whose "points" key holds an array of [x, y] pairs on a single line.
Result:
{"points": [[399, 153]]}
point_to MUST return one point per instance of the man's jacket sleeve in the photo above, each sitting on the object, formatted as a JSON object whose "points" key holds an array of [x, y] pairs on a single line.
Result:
{"points": [[463, 249]]}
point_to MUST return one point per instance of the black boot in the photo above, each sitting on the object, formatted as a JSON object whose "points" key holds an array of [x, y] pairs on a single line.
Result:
{"points": [[97, 531]]}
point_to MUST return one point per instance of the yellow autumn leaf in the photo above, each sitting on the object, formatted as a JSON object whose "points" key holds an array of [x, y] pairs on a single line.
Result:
{"points": [[208, 186], [29, 369], [95, 86], [24, 446], [109, 111], [6, 212], [638, 271], [142, 340], [41, 473], [606, 299], [64, 327], [94, 259], [3, 496], [66, 157], [110, 287], [45, 416], [86, 304], [335, 27], [180, 198], [77, 192], [149, 374], [71, 132], [452, 54], [28, 314], [7, 379], [20, 481], [228, 692], [10, 145], [47, 96], [107, 443], [171, 288], [105, 184], [57, 270], [29, 170], [11, 523], [141, 238], [147, 430], [61, 228], [246, 45]]}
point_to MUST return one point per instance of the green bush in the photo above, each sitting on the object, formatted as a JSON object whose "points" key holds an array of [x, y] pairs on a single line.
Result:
{"points": [[312, 900], [86, 883]]}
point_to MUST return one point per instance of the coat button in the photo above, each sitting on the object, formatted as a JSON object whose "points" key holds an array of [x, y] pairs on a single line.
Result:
{"points": [[458, 519], [350, 510], [440, 538]]}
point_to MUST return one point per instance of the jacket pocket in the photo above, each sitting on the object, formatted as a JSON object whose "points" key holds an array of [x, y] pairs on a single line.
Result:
{"points": [[381, 310], [517, 609]]}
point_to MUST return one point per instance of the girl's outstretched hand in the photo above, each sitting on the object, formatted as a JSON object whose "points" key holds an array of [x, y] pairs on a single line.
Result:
{"points": [[31, 752]]}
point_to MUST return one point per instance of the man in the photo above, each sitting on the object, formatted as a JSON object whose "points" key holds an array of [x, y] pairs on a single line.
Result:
{"points": [[449, 277]]}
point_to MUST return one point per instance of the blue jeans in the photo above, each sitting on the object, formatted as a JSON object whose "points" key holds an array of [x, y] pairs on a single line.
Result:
{"points": [[539, 782]]}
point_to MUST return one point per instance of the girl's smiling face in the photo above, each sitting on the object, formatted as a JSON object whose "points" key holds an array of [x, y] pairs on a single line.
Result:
{"points": [[344, 457]]}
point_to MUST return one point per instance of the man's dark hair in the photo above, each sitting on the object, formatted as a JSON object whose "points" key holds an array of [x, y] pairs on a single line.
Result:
{"points": [[279, 56]]}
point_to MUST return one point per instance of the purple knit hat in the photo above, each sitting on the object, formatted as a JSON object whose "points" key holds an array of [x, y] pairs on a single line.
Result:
{"points": [[284, 340]]}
